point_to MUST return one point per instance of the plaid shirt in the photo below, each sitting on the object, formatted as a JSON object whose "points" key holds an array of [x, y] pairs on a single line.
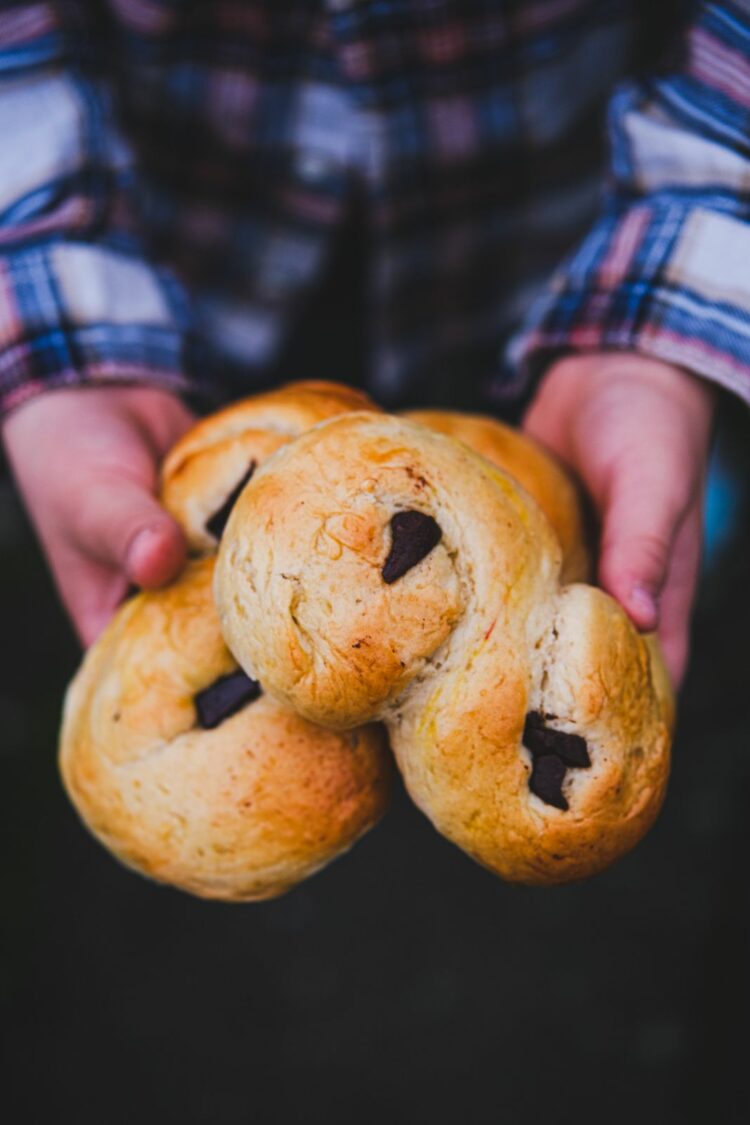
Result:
{"points": [[173, 174]]}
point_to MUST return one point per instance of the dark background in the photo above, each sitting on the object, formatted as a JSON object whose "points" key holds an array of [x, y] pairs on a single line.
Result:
{"points": [[403, 984]]}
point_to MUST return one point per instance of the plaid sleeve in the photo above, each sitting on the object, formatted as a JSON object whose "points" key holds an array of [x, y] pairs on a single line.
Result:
{"points": [[79, 303], [666, 269]]}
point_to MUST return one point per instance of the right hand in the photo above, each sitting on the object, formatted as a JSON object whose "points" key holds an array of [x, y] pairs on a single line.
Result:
{"points": [[637, 433], [86, 461]]}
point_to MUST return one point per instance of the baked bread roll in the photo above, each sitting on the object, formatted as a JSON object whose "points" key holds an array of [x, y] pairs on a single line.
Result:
{"points": [[190, 775], [206, 470], [533, 467], [374, 569]]}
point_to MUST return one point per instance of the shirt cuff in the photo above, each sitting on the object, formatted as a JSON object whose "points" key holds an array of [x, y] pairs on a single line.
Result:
{"points": [[75, 315], [660, 278]]}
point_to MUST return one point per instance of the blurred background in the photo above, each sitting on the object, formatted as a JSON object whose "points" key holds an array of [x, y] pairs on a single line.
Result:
{"points": [[403, 984]]}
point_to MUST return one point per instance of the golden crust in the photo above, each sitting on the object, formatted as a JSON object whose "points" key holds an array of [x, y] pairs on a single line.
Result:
{"points": [[532, 466], [208, 462], [457, 652], [240, 812]]}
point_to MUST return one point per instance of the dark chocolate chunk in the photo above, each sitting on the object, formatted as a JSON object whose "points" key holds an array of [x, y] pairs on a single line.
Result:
{"points": [[546, 780], [224, 697], [552, 751], [218, 521], [413, 535], [541, 739]]}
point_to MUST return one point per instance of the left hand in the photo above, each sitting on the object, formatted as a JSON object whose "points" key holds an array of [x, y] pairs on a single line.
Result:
{"points": [[637, 433], [86, 462]]}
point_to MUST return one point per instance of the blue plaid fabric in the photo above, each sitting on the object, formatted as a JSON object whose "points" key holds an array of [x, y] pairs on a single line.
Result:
{"points": [[566, 174]]}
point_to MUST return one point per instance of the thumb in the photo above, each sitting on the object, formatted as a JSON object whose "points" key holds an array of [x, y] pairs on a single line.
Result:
{"points": [[124, 528], [641, 517]]}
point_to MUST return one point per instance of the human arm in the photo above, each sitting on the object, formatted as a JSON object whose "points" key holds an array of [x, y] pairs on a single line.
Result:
{"points": [[658, 289], [93, 335]]}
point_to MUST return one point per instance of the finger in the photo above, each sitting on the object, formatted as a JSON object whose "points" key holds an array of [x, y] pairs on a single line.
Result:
{"points": [[679, 593], [165, 420], [547, 426], [642, 511], [92, 608], [89, 592], [123, 528]]}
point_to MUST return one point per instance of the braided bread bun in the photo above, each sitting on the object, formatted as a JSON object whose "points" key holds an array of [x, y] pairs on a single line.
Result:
{"points": [[205, 471], [375, 569], [221, 792], [533, 467]]}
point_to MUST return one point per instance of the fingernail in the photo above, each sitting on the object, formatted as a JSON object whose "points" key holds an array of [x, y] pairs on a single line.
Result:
{"points": [[645, 607]]}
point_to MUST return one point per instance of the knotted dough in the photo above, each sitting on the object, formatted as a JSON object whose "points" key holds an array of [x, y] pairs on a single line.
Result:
{"points": [[531, 722]]}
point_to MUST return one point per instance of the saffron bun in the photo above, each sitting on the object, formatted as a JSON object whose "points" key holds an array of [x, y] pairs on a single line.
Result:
{"points": [[205, 470], [374, 569], [533, 467], [239, 810]]}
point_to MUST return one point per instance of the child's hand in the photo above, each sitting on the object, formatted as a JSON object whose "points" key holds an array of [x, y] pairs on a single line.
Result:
{"points": [[637, 433], [86, 462]]}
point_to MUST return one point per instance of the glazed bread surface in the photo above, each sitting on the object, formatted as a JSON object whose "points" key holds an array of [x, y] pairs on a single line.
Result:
{"points": [[375, 569], [239, 812], [212, 460], [532, 466]]}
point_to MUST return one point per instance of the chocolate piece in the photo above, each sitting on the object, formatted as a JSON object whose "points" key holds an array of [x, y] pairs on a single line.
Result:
{"points": [[552, 751], [413, 535], [546, 780], [541, 739], [218, 521], [224, 697]]}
